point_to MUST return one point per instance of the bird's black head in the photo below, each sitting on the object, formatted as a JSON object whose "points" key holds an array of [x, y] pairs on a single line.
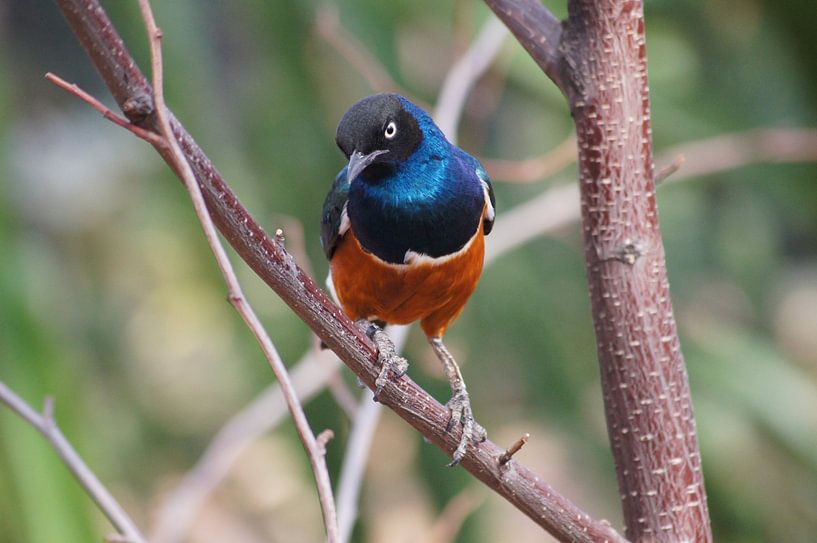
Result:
{"points": [[377, 130]]}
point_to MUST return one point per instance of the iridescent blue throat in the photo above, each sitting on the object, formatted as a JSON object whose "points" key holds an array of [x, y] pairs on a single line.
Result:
{"points": [[431, 203]]}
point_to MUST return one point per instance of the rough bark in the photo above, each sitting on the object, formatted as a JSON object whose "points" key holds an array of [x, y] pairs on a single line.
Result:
{"points": [[598, 59]]}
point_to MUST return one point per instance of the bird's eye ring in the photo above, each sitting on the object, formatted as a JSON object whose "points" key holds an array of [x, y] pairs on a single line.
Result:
{"points": [[391, 130]]}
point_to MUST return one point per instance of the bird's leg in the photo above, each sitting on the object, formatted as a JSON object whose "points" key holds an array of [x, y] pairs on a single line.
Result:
{"points": [[390, 361], [460, 403]]}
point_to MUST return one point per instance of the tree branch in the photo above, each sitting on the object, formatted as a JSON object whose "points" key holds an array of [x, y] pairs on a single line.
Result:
{"points": [[539, 32], [178, 512], [329, 28], [533, 169], [271, 262], [464, 74], [47, 426], [599, 62], [731, 151]]}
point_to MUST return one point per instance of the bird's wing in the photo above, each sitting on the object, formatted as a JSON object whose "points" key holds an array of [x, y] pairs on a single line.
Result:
{"points": [[490, 200], [334, 220]]}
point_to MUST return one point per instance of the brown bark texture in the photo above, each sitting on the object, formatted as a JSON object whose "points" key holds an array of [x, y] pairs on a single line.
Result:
{"points": [[597, 57], [268, 258]]}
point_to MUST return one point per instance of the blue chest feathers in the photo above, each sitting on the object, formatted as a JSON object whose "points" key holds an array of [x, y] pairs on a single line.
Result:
{"points": [[430, 204]]}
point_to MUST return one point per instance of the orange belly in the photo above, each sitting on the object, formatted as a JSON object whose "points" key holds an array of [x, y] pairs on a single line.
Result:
{"points": [[434, 294]]}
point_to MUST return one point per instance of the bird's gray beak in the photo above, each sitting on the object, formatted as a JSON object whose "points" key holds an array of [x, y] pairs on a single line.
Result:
{"points": [[358, 162]]}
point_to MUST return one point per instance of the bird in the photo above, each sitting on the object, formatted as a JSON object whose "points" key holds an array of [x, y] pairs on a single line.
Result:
{"points": [[403, 227]]}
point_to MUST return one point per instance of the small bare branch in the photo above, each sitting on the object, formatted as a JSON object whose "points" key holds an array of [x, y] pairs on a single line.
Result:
{"points": [[74, 89], [355, 459], [343, 395], [330, 29], [181, 506], [731, 151], [513, 449], [464, 74], [456, 511], [662, 174], [533, 169], [47, 426], [358, 446], [323, 438]]}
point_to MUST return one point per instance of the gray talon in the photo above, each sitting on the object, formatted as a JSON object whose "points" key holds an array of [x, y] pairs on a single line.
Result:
{"points": [[459, 406], [390, 361], [461, 414]]}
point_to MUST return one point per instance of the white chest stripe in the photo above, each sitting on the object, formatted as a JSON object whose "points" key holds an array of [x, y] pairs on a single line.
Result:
{"points": [[413, 258], [344, 221], [489, 209]]}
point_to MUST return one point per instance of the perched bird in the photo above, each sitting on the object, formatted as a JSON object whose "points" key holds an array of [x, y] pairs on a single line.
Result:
{"points": [[403, 227]]}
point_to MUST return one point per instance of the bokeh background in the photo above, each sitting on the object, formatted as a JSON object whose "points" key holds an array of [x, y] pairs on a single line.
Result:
{"points": [[111, 302]]}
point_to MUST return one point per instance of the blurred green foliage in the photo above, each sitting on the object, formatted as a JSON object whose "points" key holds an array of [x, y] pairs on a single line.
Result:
{"points": [[110, 302]]}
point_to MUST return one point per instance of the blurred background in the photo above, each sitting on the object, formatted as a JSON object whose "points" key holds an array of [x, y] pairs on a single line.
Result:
{"points": [[111, 303]]}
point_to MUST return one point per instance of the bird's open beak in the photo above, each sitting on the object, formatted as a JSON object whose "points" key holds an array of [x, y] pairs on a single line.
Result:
{"points": [[358, 162]]}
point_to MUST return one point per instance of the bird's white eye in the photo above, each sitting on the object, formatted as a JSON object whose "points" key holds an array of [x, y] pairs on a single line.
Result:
{"points": [[391, 130]]}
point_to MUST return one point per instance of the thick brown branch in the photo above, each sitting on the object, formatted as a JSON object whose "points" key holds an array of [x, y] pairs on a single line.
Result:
{"points": [[599, 62], [276, 267], [646, 390], [539, 32]]}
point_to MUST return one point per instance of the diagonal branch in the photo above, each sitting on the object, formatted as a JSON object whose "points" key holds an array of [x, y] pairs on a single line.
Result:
{"points": [[464, 74], [47, 426], [537, 30], [180, 508], [276, 267], [327, 25]]}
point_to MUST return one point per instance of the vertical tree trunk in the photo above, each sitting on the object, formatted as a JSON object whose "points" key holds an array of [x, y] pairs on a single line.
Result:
{"points": [[646, 393], [598, 59]]}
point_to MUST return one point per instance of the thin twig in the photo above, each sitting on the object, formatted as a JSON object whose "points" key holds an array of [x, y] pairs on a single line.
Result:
{"points": [[464, 74], [356, 455], [513, 449], [553, 209], [106, 112], [533, 169], [265, 412], [343, 395], [323, 438], [456, 511], [329, 28], [666, 171], [355, 460], [296, 240], [731, 151], [313, 448], [47, 426]]}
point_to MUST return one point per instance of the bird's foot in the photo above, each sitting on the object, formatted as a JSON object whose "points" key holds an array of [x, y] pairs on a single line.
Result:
{"points": [[390, 361], [459, 406]]}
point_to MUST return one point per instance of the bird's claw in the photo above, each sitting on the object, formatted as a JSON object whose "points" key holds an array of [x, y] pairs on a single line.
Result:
{"points": [[390, 361], [394, 364], [459, 407]]}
